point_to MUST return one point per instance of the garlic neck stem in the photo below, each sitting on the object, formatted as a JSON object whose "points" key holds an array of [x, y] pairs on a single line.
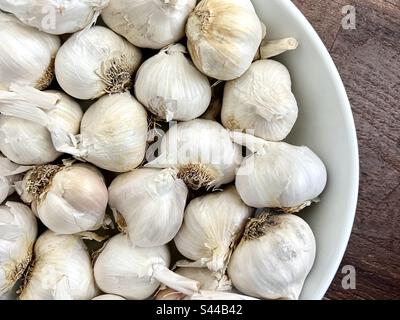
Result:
{"points": [[254, 144], [273, 48], [174, 281]]}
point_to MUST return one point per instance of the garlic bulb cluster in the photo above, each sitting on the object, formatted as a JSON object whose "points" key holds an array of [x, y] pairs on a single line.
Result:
{"points": [[108, 297], [262, 101], [9, 174], [202, 152], [67, 199], [136, 273], [212, 225], [55, 16], [171, 87], [113, 134], [223, 37], [62, 270], [274, 257], [18, 230], [31, 115], [279, 175], [26, 54], [95, 62], [149, 24], [151, 202]]}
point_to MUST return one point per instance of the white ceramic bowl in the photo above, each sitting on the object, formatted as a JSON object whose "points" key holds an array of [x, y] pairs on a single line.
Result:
{"points": [[326, 126]]}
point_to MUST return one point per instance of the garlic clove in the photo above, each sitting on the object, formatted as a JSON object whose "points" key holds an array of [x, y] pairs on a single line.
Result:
{"points": [[279, 175], [223, 37], [67, 200], [201, 151], [274, 257], [58, 17], [9, 174], [95, 62], [149, 24], [62, 270], [18, 230], [171, 87], [261, 102], [152, 203], [34, 64]]}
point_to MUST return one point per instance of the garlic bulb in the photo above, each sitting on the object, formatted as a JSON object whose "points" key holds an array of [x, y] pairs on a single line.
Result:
{"points": [[149, 24], [26, 54], [223, 37], [171, 87], [113, 134], [279, 175], [18, 230], [201, 151], [152, 203], [212, 225], [261, 101], [274, 257], [9, 174], [55, 16], [67, 199], [62, 270], [94, 62], [207, 279], [136, 273], [108, 297]]}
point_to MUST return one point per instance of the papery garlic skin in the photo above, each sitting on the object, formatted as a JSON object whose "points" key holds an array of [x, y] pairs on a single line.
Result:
{"points": [[280, 175], [113, 134], [18, 231], [95, 62], [108, 297], [33, 64], [30, 143], [212, 225], [62, 270], [202, 153], [223, 37], [9, 174], [152, 203], [171, 87], [68, 199], [55, 16], [135, 273], [274, 257], [261, 102], [149, 24]]}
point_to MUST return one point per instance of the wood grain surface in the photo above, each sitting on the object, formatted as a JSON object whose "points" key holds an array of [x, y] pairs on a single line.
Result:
{"points": [[368, 59]]}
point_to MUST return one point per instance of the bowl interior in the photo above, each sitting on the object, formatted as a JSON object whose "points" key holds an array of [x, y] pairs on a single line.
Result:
{"points": [[325, 125]]}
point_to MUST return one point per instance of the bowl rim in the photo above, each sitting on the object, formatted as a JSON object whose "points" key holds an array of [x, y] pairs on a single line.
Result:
{"points": [[349, 124]]}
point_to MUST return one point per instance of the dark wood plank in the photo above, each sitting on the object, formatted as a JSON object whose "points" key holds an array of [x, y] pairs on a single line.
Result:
{"points": [[368, 59]]}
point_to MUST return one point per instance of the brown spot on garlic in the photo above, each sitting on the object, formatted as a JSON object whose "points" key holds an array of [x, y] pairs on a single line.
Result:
{"points": [[116, 74], [196, 175], [47, 77], [39, 179], [16, 270], [257, 227]]}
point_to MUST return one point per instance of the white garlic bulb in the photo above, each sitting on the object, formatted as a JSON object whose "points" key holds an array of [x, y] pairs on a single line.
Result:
{"points": [[207, 279], [113, 134], [201, 151], [26, 54], [108, 297], [55, 16], [67, 199], [261, 101], [18, 230], [279, 175], [149, 24], [31, 115], [62, 270], [152, 203], [274, 257], [212, 225], [171, 87], [94, 62], [9, 174], [223, 37], [136, 273]]}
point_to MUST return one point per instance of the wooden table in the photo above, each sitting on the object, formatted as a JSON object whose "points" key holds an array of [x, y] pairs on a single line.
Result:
{"points": [[368, 59]]}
